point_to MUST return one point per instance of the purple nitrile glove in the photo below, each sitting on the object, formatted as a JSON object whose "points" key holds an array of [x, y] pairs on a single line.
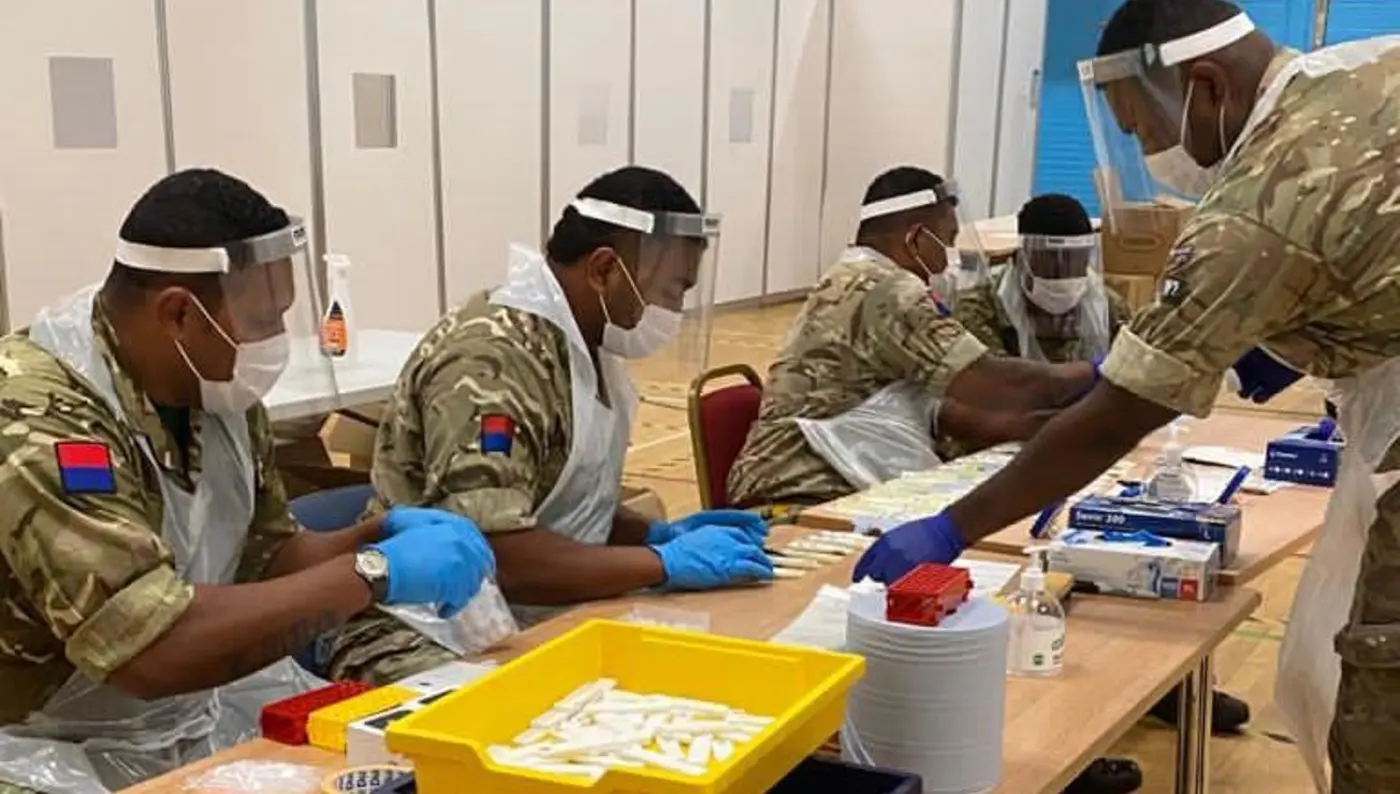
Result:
{"points": [[1259, 377], [934, 539]]}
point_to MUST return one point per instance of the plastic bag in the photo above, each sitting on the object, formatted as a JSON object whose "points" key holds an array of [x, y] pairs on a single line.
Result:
{"points": [[485, 621], [888, 435], [253, 777]]}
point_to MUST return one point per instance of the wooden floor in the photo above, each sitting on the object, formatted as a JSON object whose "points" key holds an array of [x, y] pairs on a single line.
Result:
{"points": [[660, 459]]}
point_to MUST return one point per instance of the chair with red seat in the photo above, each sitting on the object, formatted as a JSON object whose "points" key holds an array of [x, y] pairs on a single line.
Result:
{"points": [[719, 425]]}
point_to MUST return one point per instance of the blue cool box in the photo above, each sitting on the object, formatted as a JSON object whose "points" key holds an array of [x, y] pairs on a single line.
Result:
{"points": [[1208, 522], [1303, 456]]}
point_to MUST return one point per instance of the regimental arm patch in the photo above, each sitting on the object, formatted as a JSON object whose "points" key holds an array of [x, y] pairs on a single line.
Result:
{"points": [[1172, 292], [497, 434], [85, 467]]}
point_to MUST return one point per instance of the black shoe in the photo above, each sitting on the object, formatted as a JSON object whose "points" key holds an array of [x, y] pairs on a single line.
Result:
{"points": [[1108, 776], [1228, 714]]}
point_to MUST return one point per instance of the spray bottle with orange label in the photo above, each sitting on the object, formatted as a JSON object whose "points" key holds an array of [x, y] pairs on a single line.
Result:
{"points": [[337, 326]]}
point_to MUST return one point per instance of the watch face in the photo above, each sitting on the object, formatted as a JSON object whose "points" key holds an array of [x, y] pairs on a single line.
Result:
{"points": [[372, 564]]}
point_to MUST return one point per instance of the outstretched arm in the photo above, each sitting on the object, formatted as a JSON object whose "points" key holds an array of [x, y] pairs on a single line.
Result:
{"points": [[1067, 454]]}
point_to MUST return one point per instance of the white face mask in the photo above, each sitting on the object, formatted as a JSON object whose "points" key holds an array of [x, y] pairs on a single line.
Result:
{"points": [[944, 284], [656, 328], [1177, 169], [256, 368], [1057, 295]]}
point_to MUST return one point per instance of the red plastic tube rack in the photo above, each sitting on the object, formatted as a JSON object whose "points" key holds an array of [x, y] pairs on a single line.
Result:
{"points": [[285, 720], [928, 594]]}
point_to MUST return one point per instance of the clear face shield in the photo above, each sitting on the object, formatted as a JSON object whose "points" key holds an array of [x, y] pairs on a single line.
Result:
{"points": [[1137, 103], [659, 313], [257, 328], [948, 250], [1054, 290]]}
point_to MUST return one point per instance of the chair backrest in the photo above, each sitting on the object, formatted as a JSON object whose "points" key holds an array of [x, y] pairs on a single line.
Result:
{"points": [[719, 425], [328, 511]]}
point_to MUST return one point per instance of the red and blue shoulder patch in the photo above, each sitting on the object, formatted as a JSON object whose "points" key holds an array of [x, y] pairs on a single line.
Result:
{"points": [[85, 467], [497, 434]]}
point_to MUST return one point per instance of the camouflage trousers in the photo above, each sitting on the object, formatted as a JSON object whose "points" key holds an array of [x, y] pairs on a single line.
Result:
{"points": [[373, 647], [1364, 742]]}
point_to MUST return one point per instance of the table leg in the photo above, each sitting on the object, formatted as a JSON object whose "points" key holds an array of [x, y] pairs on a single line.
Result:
{"points": [[1193, 730]]}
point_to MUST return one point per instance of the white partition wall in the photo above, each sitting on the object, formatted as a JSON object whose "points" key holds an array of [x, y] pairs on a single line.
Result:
{"points": [[891, 100], [1019, 120], [376, 138], [742, 45], [590, 69], [491, 115], [799, 145], [239, 95], [668, 109], [978, 76], [81, 136]]}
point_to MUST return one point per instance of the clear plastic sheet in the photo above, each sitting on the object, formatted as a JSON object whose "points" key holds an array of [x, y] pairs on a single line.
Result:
{"points": [[887, 436], [255, 777]]}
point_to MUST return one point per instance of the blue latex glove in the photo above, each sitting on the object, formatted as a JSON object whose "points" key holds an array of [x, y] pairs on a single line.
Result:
{"points": [[1097, 361], [898, 551], [712, 556], [440, 559], [1259, 376], [752, 525]]}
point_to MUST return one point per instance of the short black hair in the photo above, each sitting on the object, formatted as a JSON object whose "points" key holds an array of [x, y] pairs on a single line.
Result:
{"points": [[900, 181], [195, 208], [1140, 22], [1054, 215], [638, 187]]}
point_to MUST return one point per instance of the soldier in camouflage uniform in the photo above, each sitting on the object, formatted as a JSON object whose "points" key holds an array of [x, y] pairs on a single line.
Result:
{"points": [[146, 550], [1059, 334], [516, 408], [1296, 245], [877, 319]]}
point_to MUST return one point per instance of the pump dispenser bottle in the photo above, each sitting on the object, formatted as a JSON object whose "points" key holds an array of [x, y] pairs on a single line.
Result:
{"points": [[1172, 481], [1037, 624]]}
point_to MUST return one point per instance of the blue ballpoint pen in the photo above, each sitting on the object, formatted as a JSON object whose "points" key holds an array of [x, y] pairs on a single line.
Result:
{"points": [[1233, 486]]}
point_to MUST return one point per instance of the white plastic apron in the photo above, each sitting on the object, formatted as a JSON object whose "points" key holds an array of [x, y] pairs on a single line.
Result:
{"points": [[887, 436], [584, 501], [89, 735]]}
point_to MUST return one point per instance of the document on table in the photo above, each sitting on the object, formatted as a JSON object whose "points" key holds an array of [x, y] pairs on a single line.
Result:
{"points": [[1214, 466]]}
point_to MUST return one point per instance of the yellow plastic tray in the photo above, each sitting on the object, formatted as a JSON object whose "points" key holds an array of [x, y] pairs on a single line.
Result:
{"points": [[803, 689]]}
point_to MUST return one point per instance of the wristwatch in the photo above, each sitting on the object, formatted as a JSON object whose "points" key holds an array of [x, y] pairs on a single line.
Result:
{"points": [[372, 566]]}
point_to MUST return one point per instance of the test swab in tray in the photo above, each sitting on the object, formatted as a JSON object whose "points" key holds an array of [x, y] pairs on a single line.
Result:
{"points": [[598, 727]]}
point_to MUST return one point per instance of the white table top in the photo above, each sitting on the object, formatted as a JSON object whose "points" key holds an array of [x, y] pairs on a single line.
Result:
{"points": [[368, 378]]}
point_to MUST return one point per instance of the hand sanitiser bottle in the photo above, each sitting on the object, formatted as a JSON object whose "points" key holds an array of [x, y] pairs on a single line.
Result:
{"points": [[1172, 481], [337, 326], [1037, 625]]}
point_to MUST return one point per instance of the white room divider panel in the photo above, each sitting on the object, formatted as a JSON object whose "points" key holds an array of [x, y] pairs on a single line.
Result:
{"points": [[1019, 120], [981, 30], [799, 145], [239, 95], [589, 88], [490, 95], [376, 136], [742, 44], [668, 118], [891, 100], [81, 136]]}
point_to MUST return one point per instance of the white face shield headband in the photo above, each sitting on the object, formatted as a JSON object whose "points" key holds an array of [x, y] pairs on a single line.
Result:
{"points": [[258, 364]]}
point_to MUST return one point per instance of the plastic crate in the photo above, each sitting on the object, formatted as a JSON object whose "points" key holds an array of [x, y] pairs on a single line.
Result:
{"points": [[285, 720], [927, 594], [828, 776], [813, 776], [804, 690]]}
